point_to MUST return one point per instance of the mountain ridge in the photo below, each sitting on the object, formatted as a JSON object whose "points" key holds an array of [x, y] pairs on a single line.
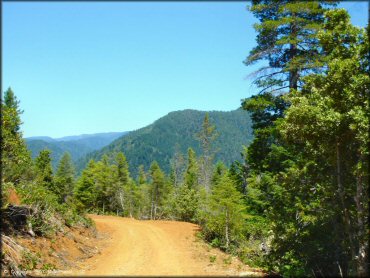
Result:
{"points": [[176, 131], [76, 145]]}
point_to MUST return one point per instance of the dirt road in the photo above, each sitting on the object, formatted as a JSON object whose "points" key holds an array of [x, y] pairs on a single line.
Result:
{"points": [[134, 247]]}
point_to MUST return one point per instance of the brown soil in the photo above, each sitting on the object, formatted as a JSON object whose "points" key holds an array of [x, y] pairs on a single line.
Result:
{"points": [[12, 197], [136, 247], [58, 254]]}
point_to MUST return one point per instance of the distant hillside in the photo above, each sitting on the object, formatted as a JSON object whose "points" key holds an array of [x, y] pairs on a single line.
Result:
{"points": [[78, 146], [158, 140]]}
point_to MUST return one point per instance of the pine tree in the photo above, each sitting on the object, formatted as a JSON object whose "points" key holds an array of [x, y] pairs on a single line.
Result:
{"points": [[218, 172], [45, 171], [15, 158], [177, 167], [142, 175], [127, 191], [191, 174], [105, 185], [206, 137], [185, 203], [287, 40], [226, 211], [186, 195], [158, 190], [329, 122], [239, 172], [122, 168], [122, 186], [84, 191], [132, 198], [144, 194], [65, 177]]}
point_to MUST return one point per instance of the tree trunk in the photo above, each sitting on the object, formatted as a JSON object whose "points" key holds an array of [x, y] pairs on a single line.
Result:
{"points": [[245, 174], [155, 206], [122, 201], [346, 217], [206, 170], [151, 207], [293, 73], [362, 254], [293, 79], [340, 269], [227, 229]]}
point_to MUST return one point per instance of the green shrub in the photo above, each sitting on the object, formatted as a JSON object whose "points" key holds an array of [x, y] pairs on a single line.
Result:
{"points": [[216, 242], [47, 267], [227, 260], [47, 215], [29, 261]]}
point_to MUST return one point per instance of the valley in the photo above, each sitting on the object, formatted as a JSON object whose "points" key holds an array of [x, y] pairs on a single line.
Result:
{"points": [[77, 146], [161, 141]]}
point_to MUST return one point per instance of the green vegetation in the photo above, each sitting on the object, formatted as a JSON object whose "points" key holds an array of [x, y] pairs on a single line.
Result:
{"points": [[15, 158], [287, 40], [224, 217], [33, 180], [212, 258], [76, 146], [296, 204], [175, 133], [306, 172], [65, 178]]}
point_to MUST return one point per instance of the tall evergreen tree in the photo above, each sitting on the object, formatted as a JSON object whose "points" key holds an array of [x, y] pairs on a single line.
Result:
{"points": [[122, 168], [226, 211], [123, 185], [186, 195], [329, 122], [84, 191], [218, 172], [206, 137], [287, 40], [191, 174], [15, 158], [177, 167], [45, 171], [144, 194], [65, 177], [158, 190], [185, 204], [142, 175], [131, 198], [239, 172], [105, 184]]}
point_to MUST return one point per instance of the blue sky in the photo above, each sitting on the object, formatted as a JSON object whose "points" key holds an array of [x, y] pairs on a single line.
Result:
{"points": [[99, 67]]}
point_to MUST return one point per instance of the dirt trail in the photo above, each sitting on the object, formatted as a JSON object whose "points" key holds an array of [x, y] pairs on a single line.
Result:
{"points": [[136, 247]]}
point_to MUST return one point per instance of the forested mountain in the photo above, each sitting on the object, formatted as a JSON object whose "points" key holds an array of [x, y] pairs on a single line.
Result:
{"points": [[175, 132], [77, 146]]}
